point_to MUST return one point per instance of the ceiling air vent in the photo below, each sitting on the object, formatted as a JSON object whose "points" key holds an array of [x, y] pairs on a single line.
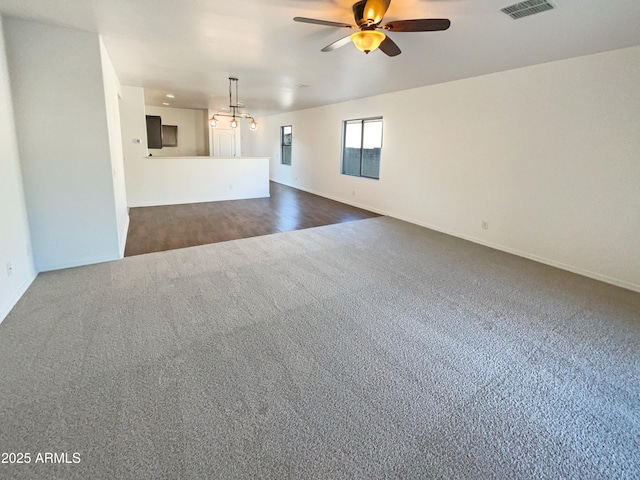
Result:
{"points": [[524, 9]]}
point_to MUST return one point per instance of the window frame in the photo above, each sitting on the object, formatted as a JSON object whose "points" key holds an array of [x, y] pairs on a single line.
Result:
{"points": [[283, 145], [344, 140]]}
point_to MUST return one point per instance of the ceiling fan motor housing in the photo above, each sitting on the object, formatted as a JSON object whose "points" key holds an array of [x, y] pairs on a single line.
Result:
{"points": [[358, 13]]}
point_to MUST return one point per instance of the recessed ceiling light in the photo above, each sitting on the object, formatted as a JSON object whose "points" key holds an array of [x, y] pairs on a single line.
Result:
{"points": [[165, 103], [170, 95]]}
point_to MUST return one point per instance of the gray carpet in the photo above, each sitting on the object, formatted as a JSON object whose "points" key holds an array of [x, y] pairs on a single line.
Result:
{"points": [[369, 349]]}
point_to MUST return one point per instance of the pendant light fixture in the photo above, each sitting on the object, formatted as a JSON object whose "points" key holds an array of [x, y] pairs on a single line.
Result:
{"points": [[233, 108]]}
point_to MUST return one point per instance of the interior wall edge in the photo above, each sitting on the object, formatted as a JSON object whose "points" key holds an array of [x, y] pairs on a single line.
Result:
{"points": [[125, 233], [17, 295]]}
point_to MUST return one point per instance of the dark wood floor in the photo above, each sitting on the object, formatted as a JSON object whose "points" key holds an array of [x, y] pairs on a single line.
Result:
{"points": [[155, 229]]}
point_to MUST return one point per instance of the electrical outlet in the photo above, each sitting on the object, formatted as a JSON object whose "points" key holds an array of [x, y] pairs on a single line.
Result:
{"points": [[485, 225], [9, 269]]}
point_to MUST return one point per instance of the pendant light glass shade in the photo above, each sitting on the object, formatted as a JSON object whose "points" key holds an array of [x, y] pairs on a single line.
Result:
{"points": [[213, 122], [234, 122], [253, 125], [367, 40]]}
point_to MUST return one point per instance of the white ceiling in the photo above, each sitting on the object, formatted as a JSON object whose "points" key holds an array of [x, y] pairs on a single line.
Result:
{"points": [[189, 48]]}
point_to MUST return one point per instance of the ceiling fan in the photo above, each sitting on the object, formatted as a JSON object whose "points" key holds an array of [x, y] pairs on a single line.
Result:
{"points": [[368, 16]]}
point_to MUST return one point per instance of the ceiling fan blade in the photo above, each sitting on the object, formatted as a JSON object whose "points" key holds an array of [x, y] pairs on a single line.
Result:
{"points": [[337, 44], [322, 22], [375, 9], [419, 25], [389, 47]]}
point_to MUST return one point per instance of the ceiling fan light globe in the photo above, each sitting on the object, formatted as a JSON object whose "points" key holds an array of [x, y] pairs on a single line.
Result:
{"points": [[367, 40]]}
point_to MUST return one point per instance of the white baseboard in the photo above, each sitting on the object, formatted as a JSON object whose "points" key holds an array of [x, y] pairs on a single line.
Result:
{"points": [[184, 201], [530, 256], [125, 233], [6, 308], [337, 199], [536, 258], [77, 263]]}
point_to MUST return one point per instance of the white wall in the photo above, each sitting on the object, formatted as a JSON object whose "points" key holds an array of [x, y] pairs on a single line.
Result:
{"points": [[172, 181], [193, 131], [168, 181], [15, 242], [134, 139], [62, 129], [112, 95], [549, 155]]}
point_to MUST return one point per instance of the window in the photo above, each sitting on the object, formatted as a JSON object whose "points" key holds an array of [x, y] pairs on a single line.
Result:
{"points": [[285, 144], [361, 145]]}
